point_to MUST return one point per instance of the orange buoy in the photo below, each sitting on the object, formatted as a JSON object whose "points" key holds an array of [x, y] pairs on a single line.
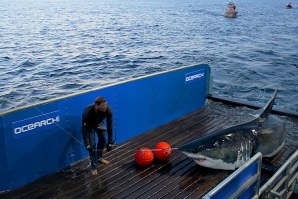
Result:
{"points": [[162, 151], [144, 157]]}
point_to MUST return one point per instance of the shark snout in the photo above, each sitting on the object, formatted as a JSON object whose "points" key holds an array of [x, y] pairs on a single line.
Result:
{"points": [[190, 147]]}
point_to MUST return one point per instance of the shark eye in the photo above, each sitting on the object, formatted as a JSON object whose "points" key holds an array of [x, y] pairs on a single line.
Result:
{"points": [[228, 136], [198, 149], [216, 144]]}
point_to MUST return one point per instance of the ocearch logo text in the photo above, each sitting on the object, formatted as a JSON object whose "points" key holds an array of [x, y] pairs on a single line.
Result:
{"points": [[33, 125], [194, 76]]}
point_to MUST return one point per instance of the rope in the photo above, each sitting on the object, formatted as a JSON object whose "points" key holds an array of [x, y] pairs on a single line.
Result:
{"points": [[133, 150], [97, 149], [59, 126]]}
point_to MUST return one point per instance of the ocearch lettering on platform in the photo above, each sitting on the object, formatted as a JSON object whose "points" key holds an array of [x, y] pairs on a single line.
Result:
{"points": [[37, 124], [194, 76]]}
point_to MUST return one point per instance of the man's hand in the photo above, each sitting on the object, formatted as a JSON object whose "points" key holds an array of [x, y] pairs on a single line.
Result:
{"points": [[89, 148], [109, 146], [101, 127]]}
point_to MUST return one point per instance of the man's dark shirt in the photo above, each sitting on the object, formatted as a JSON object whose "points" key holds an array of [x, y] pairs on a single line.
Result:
{"points": [[90, 119]]}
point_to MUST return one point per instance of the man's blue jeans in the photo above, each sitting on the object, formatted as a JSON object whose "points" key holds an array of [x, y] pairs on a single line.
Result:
{"points": [[96, 155]]}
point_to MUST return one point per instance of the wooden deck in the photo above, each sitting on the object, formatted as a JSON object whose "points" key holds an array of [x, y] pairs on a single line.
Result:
{"points": [[178, 177]]}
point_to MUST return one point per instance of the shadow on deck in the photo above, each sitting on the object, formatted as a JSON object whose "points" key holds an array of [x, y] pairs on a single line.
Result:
{"points": [[178, 177]]}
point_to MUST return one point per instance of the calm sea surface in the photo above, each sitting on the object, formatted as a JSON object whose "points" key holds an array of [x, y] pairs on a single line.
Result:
{"points": [[49, 48]]}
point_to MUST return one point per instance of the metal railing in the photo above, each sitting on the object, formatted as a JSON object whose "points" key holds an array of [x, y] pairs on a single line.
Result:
{"points": [[282, 183], [244, 181], [280, 186]]}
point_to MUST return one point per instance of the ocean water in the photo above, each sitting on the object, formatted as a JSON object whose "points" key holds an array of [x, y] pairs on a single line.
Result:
{"points": [[50, 48]]}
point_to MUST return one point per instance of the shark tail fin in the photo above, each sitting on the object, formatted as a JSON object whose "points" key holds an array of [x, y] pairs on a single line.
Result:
{"points": [[266, 109]]}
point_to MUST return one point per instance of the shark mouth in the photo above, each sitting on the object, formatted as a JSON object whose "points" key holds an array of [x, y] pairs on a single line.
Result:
{"points": [[214, 164], [199, 160], [211, 163]]}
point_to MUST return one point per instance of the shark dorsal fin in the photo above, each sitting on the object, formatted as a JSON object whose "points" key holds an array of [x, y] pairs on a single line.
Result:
{"points": [[266, 109], [255, 113]]}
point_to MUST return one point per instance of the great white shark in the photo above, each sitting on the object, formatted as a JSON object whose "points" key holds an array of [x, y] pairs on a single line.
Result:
{"points": [[230, 148]]}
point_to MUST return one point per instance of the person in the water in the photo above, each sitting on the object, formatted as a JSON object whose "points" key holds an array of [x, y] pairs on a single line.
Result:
{"points": [[92, 123], [289, 5]]}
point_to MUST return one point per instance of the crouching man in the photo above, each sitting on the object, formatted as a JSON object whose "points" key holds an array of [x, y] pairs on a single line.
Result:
{"points": [[92, 123]]}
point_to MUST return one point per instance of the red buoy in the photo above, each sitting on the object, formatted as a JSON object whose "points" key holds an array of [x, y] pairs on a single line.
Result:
{"points": [[144, 157], [162, 151]]}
